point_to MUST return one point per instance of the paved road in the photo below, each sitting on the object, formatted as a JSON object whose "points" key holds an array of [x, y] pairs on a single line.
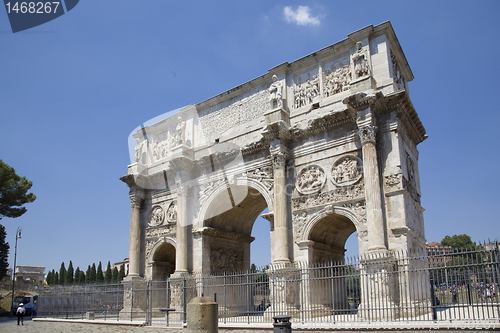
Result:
{"points": [[10, 325]]}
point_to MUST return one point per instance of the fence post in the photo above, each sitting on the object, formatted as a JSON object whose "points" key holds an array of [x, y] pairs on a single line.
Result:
{"points": [[184, 297], [433, 301]]}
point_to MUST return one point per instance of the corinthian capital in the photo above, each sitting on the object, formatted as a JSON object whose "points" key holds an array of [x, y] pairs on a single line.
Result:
{"points": [[181, 187], [279, 155], [367, 134], [136, 198]]}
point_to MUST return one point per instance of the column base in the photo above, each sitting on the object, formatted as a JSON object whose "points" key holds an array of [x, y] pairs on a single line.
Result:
{"points": [[134, 298]]}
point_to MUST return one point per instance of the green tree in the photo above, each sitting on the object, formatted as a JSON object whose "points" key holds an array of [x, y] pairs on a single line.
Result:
{"points": [[4, 253], [115, 275], [121, 273], [56, 278], [77, 275], [48, 278], [82, 277], [93, 274], [62, 274], [13, 192], [69, 278], [100, 276], [462, 241], [108, 274]]}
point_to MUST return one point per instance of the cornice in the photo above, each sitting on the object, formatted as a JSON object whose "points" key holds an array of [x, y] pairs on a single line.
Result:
{"points": [[208, 231]]}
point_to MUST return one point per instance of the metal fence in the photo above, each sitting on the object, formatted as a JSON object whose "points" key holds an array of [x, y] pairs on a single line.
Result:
{"points": [[401, 287]]}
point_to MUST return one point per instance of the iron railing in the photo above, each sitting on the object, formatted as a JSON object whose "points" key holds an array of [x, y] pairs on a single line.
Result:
{"points": [[396, 288]]}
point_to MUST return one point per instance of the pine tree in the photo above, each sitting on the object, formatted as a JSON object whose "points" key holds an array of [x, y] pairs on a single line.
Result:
{"points": [[93, 274], [62, 274], [114, 275], [108, 275], [121, 273], [69, 278], [100, 276]]}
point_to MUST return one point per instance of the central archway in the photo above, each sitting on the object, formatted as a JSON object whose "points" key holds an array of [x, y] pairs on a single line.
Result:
{"points": [[232, 211]]}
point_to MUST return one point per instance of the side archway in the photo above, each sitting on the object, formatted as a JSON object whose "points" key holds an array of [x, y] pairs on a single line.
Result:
{"points": [[162, 259]]}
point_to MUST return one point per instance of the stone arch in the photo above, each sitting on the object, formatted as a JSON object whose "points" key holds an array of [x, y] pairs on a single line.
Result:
{"points": [[162, 258], [328, 211], [242, 181], [226, 224]]}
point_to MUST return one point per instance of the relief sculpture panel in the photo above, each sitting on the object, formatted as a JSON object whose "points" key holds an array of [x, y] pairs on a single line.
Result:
{"points": [[311, 179], [347, 170], [306, 88], [226, 259], [336, 77]]}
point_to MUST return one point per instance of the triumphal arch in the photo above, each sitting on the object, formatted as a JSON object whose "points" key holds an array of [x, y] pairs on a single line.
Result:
{"points": [[328, 143]]}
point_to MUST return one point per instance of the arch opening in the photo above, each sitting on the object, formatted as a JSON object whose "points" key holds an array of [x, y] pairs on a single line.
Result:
{"points": [[163, 261], [229, 233], [336, 282]]}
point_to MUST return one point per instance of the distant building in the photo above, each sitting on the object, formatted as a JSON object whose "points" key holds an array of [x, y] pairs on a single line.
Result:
{"points": [[30, 273], [438, 254], [118, 264]]}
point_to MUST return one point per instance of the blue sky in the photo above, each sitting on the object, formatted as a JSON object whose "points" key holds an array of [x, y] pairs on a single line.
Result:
{"points": [[73, 89]]}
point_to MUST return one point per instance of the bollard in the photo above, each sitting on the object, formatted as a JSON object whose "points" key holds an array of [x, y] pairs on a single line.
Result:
{"points": [[282, 324], [202, 315]]}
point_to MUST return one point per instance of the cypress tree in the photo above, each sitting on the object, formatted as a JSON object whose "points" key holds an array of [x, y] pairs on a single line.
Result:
{"points": [[114, 275], [92, 277], [82, 277], [77, 275], [100, 275], [69, 278], [62, 274], [121, 273], [87, 276], [48, 278], [108, 275], [56, 280]]}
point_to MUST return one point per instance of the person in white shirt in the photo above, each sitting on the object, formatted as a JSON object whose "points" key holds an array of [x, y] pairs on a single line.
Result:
{"points": [[21, 311]]}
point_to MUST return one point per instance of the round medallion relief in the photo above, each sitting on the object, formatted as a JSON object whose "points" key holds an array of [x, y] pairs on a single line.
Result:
{"points": [[172, 212], [310, 179], [347, 170], [157, 216]]}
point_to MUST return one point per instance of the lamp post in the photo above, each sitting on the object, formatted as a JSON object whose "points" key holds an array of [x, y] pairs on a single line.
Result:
{"points": [[18, 235]]}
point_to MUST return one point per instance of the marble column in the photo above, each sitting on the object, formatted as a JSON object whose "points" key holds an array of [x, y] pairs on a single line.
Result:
{"points": [[136, 198], [181, 251], [374, 214], [279, 154]]}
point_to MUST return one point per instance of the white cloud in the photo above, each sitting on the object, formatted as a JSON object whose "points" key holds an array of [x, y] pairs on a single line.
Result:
{"points": [[301, 16]]}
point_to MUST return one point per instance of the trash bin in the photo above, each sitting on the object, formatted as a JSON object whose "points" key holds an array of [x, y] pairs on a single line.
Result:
{"points": [[282, 324]]}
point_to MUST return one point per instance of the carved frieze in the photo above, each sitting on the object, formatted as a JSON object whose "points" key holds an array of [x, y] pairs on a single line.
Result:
{"points": [[225, 259], [397, 76], [347, 170], [319, 199], [336, 77], [306, 89], [393, 182], [262, 175], [232, 112], [164, 230], [172, 212], [310, 179], [157, 216], [359, 208]]}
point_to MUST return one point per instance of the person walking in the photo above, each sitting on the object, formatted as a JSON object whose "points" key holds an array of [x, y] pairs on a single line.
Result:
{"points": [[20, 312]]}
